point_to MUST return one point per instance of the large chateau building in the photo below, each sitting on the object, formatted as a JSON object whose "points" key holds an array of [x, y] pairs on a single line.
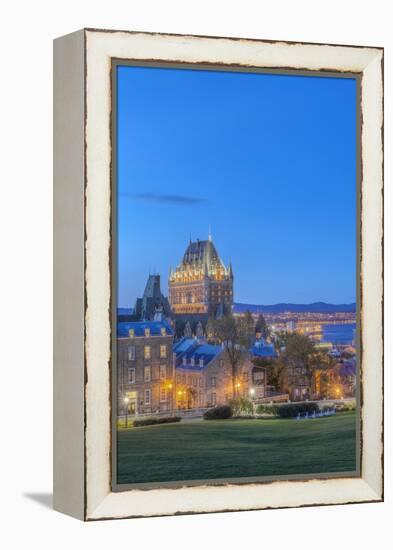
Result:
{"points": [[201, 284]]}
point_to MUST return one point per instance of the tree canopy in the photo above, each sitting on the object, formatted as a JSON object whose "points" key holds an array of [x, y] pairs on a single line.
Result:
{"points": [[235, 334]]}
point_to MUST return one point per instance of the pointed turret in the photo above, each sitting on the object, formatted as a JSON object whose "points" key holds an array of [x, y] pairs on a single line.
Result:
{"points": [[199, 331], [187, 330]]}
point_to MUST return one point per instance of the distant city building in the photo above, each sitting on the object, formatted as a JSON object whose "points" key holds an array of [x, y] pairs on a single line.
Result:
{"points": [[145, 372], [290, 326], [153, 303], [201, 284]]}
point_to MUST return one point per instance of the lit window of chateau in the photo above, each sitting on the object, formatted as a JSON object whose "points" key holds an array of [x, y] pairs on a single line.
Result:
{"points": [[163, 350], [147, 332], [147, 352], [163, 331]]}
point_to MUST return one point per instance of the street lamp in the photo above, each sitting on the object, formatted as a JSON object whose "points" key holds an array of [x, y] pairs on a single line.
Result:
{"points": [[126, 401], [168, 386]]}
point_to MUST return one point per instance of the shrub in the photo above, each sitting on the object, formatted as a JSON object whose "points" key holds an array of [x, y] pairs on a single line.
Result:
{"points": [[152, 420], [345, 407], [291, 410], [270, 410], [241, 405], [218, 413]]}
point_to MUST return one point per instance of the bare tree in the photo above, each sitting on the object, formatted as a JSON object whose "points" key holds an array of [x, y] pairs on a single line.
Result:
{"points": [[235, 335]]}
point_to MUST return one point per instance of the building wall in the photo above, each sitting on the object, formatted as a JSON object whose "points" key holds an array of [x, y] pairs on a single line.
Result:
{"points": [[200, 296], [189, 297], [150, 385], [212, 385], [134, 367]]}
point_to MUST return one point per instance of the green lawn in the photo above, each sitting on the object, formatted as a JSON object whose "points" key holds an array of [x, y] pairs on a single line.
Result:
{"points": [[237, 448]]}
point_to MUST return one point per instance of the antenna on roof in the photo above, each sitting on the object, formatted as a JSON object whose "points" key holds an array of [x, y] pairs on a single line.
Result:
{"points": [[210, 233]]}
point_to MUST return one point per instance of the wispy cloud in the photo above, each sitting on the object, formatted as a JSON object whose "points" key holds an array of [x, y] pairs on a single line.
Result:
{"points": [[167, 199]]}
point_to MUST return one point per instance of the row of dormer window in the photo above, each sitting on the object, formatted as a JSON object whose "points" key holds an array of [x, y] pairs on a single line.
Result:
{"points": [[147, 332]]}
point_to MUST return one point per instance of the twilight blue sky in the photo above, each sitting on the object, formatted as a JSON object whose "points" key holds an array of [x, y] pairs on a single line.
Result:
{"points": [[268, 161]]}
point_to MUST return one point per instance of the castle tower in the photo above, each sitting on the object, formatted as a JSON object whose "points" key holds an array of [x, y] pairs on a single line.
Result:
{"points": [[153, 304], [201, 283]]}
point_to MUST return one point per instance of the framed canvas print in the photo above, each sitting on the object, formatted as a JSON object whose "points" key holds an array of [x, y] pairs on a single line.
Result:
{"points": [[218, 274]]}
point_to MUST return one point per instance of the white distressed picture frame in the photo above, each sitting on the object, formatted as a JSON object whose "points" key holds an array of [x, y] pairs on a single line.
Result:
{"points": [[82, 248]]}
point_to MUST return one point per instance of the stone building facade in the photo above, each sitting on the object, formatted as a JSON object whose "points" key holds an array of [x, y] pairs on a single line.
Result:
{"points": [[201, 284], [204, 375], [155, 375], [145, 373]]}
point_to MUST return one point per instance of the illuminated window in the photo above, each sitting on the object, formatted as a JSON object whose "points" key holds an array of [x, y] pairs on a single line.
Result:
{"points": [[131, 333], [131, 353], [163, 331], [147, 332], [162, 372], [131, 376], [147, 397], [163, 350], [147, 374], [147, 352]]}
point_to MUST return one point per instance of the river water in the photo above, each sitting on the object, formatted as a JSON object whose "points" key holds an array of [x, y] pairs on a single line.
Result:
{"points": [[339, 334]]}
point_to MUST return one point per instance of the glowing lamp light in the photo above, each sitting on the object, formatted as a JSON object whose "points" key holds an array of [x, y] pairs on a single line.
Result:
{"points": [[252, 391], [126, 400]]}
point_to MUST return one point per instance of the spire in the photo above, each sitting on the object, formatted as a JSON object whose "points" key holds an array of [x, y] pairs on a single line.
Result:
{"points": [[210, 233]]}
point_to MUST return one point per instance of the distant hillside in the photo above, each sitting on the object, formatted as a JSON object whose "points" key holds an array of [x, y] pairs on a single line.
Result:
{"points": [[316, 307]]}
